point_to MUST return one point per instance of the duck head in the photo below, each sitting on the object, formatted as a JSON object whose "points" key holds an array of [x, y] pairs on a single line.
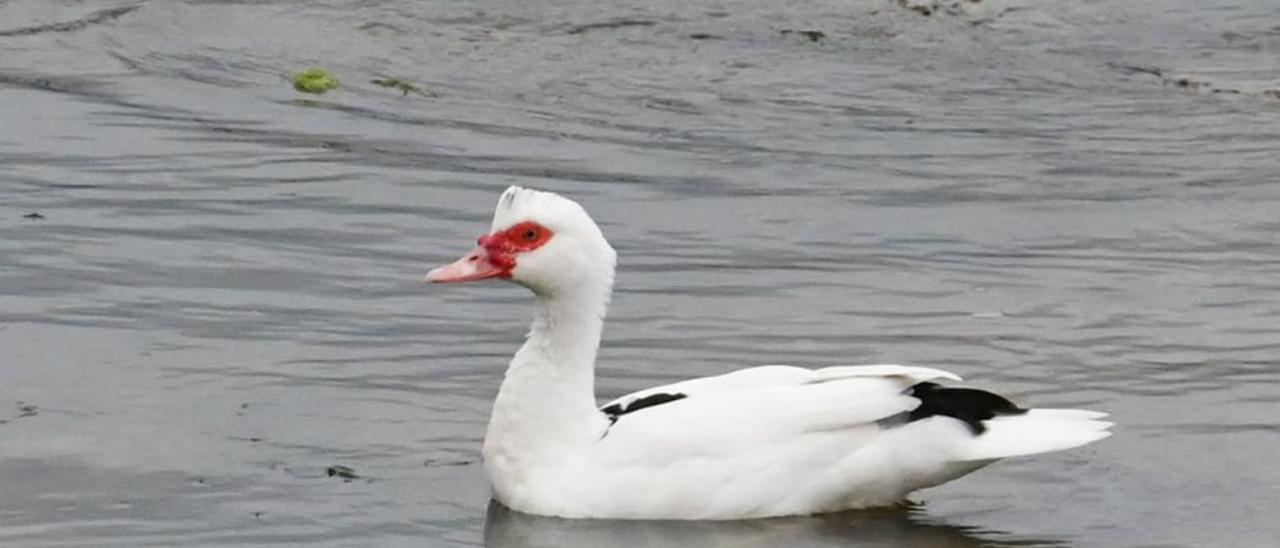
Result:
{"points": [[540, 240]]}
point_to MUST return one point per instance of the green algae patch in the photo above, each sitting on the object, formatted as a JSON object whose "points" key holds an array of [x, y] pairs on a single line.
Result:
{"points": [[315, 80]]}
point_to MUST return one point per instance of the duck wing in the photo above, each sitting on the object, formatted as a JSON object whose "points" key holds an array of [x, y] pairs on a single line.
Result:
{"points": [[726, 415]]}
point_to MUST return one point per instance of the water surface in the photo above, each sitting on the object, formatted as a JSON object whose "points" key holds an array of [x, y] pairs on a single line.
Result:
{"points": [[210, 286]]}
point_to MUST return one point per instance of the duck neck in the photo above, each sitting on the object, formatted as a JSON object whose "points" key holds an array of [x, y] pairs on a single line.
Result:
{"points": [[547, 399], [565, 337]]}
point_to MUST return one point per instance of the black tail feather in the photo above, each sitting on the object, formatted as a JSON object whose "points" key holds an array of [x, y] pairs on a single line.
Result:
{"points": [[967, 405]]}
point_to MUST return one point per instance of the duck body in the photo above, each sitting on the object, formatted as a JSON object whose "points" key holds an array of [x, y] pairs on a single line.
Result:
{"points": [[758, 442]]}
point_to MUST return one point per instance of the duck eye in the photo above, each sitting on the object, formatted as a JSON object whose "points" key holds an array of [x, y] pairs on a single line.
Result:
{"points": [[530, 234]]}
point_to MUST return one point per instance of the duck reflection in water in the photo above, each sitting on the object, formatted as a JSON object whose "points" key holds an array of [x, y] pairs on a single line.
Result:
{"points": [[904, 525]]}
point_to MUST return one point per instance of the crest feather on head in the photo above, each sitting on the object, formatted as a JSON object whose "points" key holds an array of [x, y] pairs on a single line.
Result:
{"points": [[519, 204]]}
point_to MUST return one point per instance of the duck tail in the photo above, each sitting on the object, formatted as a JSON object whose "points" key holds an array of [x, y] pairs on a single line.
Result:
{"points": [[1036, 431]]}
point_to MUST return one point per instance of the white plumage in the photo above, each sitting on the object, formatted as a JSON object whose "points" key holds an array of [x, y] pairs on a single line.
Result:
{"points": [[764, 441]]}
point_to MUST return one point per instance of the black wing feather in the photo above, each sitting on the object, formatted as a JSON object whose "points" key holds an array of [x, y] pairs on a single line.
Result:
{"points": [[613, 411]]}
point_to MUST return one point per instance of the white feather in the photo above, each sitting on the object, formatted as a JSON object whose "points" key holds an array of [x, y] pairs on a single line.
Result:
{"points": [[1038, 431], [764, 376]]}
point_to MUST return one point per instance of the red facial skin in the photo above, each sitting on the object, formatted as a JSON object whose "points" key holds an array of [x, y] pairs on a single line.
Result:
{"points": [[494, 255], [503, 246]]}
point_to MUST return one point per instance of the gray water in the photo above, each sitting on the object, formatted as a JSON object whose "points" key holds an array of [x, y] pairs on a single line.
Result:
{"points": [[219, 295]]}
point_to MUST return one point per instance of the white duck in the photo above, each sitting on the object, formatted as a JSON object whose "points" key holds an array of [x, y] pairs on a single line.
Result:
{"points": [[764, 441]]}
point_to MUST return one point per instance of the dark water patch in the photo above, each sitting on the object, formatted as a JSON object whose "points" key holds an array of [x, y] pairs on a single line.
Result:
{"points": [[55, 84], [809, 34], [610, 25], [217, 67], [95, 18]]}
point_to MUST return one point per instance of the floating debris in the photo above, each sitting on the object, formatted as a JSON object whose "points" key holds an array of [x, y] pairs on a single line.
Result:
{"points": [[1186, 82], [27, 410], [404, 86], [345, 472], [704, 36], [812, 35], [922, 7], [315, 80], [950, 7]]}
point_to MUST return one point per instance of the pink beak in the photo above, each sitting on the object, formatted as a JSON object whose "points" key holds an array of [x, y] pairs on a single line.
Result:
{"points": [[476, 265]]}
